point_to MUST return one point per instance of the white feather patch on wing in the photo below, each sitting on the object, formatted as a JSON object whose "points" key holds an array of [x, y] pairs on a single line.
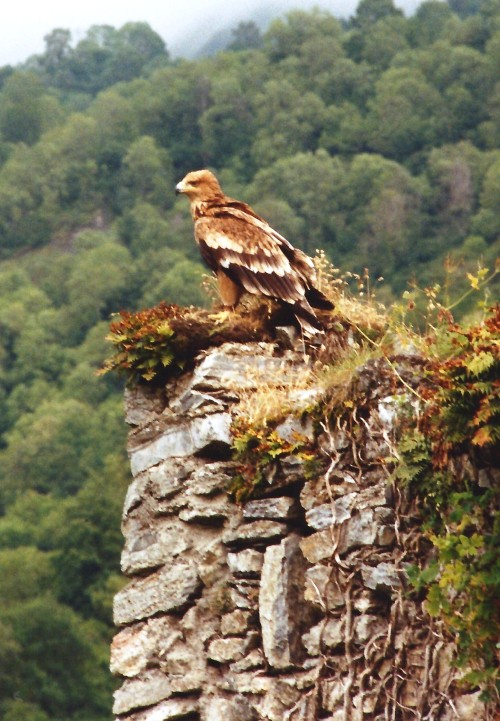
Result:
{"points": [[255, 265], [217, 240], [257, 259]]}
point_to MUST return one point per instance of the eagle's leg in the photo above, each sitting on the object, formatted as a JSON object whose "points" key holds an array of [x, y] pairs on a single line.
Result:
{"points": [[230, 293]]}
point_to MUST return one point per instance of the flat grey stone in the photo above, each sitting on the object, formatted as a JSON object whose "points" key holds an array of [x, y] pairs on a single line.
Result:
{"points": [[282, 608], [245, 563], [294, 429], [142, 405], [235, 623], [135, 495], [183, 440], [133, 648], [236, 366], [368, 627], [318, 546], [281, 508], [383, 577], [255, 532], [209, 479], [151, 687], [253, 660], [152, 549], [167, 590], [207, 510], [321, 589], [174, 708], [359, 530], [168, 478], [224, 650], [236, 708]]}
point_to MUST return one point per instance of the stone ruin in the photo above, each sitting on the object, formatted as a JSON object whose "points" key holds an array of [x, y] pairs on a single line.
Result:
{"points": [[293, 605]]}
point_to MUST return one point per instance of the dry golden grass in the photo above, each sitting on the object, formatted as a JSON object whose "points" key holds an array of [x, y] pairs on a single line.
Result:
{"points": [[334, 381], [270, 400], [361, 311]]}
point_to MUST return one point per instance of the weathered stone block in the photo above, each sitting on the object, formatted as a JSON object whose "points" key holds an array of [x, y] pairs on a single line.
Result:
{"points": [[254, 659], [149, 549], [224, 650], [368, 627], [281, 508], [359, 530], [246, 563], [282, 607], [210, 479], [312, 639], [151, 687], [135, 646], [169, 710], [244, 597], [235, 623], [183, 440], [135, 495], [256, 532], [332, 693], [315, 492], [237, 708], [167, 479], [235, 367], [383, 577], [168, 590], [210, 511], [142, 404], [333, 634], [318, 546], [250, 682], [321, 589], [294, 428]]}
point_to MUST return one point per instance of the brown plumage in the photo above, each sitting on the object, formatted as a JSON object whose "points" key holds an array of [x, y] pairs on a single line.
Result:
{"points": [[246, 254]]}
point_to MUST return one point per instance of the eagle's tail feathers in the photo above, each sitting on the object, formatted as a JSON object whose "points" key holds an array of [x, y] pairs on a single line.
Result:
{"points": [[306, 317], [318, 299]]}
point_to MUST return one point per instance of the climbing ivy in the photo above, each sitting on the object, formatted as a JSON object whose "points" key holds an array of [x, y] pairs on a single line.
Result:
{"points": [[459, 499], [257, 452]]}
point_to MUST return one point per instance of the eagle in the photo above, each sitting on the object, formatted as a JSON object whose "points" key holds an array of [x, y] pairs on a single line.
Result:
{"points": [[246, 254]]}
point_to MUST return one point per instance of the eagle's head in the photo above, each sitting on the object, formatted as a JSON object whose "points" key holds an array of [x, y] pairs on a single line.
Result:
{"points": [[199, 186]]}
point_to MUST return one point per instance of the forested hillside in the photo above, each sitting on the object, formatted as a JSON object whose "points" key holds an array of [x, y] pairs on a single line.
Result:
{"points": [[376, 140]]}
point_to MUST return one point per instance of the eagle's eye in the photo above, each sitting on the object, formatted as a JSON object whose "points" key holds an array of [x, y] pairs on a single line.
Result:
{"points": [[195, 182]]}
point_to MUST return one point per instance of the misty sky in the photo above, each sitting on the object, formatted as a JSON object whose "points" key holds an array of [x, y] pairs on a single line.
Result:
{"points": [[24, 24]]}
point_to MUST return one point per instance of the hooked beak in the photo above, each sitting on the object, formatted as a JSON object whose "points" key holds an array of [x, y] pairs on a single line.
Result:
{"points": [[179, 188]]}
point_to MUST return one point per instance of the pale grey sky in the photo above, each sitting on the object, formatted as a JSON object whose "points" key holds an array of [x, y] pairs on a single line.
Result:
{"points": [[24, 23]]}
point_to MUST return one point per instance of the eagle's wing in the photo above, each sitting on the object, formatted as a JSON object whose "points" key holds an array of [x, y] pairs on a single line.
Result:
{"points": [[252, 254]]}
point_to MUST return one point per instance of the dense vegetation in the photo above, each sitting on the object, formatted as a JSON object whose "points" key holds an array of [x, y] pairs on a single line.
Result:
{"points": [[376, 140]]}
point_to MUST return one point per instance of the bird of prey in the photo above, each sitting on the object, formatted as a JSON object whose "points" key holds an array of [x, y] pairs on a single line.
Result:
{"points": [[246, 254]]}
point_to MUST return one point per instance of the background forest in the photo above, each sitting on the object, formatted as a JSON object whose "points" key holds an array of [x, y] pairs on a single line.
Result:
{"points": [[375, 139]]}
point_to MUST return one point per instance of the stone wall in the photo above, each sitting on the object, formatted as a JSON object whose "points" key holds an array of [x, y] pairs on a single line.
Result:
{"points": [[289, 606]]}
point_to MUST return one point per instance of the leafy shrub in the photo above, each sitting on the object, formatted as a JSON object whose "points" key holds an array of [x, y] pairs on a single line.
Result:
{"points": [[459, 502], [257, 452]]}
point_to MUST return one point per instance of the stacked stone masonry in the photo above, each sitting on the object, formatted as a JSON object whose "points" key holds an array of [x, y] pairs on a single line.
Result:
{"points": [[290, 606]]}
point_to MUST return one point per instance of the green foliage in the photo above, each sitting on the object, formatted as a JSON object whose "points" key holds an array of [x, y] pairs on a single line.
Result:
{"points": [[105, 56], [53, 666], [143, 343], [257, 452], [157, 342], [461, 419], [465, 407], [25, 110]]}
